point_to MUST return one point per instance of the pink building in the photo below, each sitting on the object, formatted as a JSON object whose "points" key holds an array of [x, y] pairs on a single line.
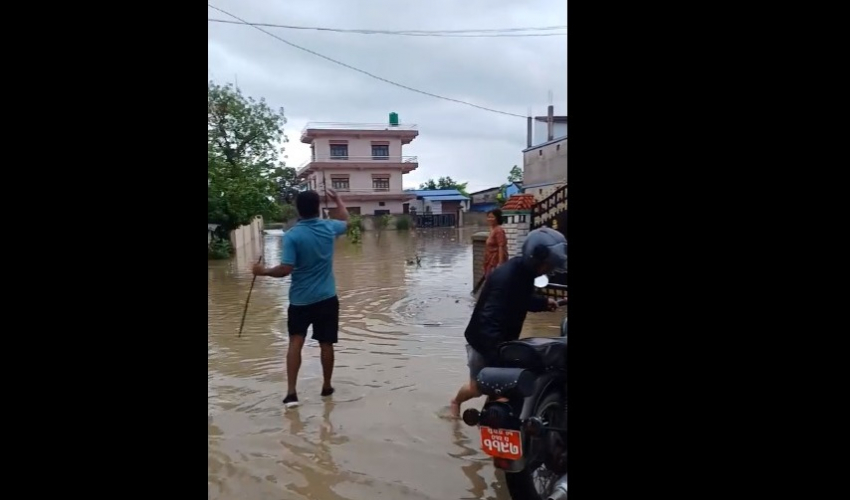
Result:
{"points": [[363, 162]]}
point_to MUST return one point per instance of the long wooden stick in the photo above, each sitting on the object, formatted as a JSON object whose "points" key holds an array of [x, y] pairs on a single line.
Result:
{"points": [[325, 186], [480, 282], [245, 311]]}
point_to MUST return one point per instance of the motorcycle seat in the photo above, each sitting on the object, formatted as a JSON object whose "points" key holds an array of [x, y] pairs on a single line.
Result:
{"points": [[538, 354]]}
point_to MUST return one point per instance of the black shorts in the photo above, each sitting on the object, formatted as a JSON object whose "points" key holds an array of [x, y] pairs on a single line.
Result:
{"points": [[323, 315]]}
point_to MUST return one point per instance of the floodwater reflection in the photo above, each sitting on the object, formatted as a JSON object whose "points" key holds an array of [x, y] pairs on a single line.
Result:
{"points": [[400, 358]]}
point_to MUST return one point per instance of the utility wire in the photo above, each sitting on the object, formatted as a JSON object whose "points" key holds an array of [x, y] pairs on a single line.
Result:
{"points": [[473, 33], [366, 72]]}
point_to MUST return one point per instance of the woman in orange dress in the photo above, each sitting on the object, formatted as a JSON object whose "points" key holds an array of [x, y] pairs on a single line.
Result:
{"points": [[496, 247]]}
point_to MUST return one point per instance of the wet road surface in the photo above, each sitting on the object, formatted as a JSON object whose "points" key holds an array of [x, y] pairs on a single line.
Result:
{"points": [[399, 360]]}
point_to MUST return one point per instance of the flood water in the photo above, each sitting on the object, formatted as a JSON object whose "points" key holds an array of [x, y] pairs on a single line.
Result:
{"points": [[399, 360]]}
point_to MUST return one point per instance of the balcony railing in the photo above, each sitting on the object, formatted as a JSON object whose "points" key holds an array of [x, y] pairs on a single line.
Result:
{"points": [[357, 159], [357, 126], [364, 190], [357, 191]]}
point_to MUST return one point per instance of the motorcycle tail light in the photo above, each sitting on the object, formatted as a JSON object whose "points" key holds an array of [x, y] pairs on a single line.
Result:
{"points": [[471, 417], [502, 463]]}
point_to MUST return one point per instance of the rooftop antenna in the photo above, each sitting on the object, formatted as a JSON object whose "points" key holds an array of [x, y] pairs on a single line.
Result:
{"points": [[551, 97]]}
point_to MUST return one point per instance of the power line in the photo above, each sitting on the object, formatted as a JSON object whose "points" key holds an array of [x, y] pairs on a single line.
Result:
{"points": [[470, 33], [366, 72]]}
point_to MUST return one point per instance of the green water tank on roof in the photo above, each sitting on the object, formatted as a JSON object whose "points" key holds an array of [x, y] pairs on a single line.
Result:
{"points": [[394, 119]]}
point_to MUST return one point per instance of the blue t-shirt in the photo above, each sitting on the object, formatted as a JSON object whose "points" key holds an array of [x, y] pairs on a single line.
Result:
{"points": [[309, 248]]}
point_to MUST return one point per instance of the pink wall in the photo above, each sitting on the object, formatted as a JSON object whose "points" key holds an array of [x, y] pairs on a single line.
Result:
{"points": [[359, 181], [369, 207], [356, 147]]}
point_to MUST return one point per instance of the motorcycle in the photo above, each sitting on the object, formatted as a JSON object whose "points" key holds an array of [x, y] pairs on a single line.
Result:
{"points": [[523, 424]]}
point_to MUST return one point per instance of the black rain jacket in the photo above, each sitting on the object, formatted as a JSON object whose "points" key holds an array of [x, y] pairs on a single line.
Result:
{"points": [[508, 294]]}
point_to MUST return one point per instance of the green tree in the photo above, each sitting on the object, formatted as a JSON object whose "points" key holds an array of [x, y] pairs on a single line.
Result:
{"points": [[444, 183], [430, 185], [245, 174], [286, 185], [515, 175], [285, 213]]}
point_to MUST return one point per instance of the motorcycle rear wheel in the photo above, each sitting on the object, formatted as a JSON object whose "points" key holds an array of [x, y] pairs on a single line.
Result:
{"points": [[524, 485]]}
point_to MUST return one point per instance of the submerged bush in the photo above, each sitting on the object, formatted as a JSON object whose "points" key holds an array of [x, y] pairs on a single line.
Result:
{"points": [[219, 249], [355, 227], [402, 222]]}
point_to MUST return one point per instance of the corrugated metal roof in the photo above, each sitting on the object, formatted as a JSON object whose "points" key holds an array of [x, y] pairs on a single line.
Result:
{"points": [[483, 207], [517, 184], [433, 192], [486, 190], [447, 197]]}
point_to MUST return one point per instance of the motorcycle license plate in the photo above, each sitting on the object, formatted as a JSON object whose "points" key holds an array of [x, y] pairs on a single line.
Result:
{"points": [[501, 443]]}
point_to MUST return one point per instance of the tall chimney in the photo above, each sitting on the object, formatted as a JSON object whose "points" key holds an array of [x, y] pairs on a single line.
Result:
{"points": [[528, 131], [550, 123]]}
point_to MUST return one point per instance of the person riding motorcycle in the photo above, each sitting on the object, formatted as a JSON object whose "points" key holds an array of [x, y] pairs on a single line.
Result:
{"points": [[507, 296]]}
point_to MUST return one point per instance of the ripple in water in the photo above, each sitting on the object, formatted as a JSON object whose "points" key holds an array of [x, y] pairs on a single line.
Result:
{"points": [[400, 358]]}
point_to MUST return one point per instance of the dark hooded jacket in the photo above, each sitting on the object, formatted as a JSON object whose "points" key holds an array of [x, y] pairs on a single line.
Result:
{"points": [[508, 294]]}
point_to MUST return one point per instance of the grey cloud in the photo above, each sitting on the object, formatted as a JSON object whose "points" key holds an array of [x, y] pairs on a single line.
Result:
{"points": [[468, 144]]}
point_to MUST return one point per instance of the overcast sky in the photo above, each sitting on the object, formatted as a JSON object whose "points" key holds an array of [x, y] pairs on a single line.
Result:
{"points": [[509, 74]]}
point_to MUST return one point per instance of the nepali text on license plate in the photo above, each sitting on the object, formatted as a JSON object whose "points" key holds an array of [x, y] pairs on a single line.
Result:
{"points": [[501, 443]]}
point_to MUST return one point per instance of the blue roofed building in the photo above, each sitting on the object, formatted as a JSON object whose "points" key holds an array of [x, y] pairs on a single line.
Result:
{"points": [[449, 202]]}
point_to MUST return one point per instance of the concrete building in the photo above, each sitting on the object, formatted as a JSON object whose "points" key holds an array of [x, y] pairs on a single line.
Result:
{"points": [[438, 201], [438, 207], [361, 161], [541, 128], [486, 200], [545, 161]]}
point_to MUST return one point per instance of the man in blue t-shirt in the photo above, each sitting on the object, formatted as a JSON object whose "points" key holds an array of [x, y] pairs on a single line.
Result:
{"points": [[308, 250]]}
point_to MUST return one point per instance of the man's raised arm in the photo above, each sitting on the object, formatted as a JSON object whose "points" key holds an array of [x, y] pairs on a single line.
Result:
{"points": [[341, 211]]}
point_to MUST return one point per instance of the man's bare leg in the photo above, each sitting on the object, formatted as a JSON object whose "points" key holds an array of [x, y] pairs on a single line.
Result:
{"points": [[327, 357], [293, 362], [468, 391]]}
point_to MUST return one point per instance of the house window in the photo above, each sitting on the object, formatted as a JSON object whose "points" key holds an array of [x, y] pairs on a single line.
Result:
{"points": [[380, 151], [339, 183], [382, 212], [539, 152], [339, 151], [353, 210], [558, 147], [381, 183], [381, 204]]}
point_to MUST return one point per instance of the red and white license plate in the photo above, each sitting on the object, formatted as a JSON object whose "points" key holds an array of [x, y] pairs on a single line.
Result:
{"points": [[501, 443]]}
